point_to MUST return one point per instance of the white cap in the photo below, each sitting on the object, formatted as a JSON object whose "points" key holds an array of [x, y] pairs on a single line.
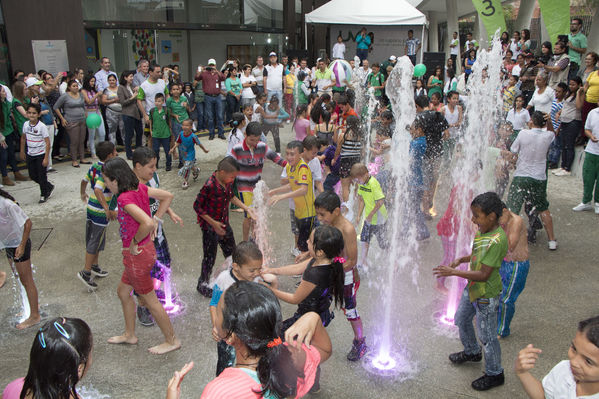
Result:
{"points": [[393, 58], [211, 61], [272, 54], [32, 82]]}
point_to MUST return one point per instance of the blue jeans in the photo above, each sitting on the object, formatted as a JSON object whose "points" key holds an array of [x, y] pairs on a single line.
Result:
{"points": [[417, 216], [555, 150], [214, 112], [485, 310], [232, 106], [362, 53], [330, 181], [513, 277], [200, 116], [176, 130], [569, 131], [277, 93], [132, 127], [7, 155], [165, 143]]}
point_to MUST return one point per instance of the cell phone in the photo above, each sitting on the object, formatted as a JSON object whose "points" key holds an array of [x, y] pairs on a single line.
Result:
{"points": [[199, 69]]}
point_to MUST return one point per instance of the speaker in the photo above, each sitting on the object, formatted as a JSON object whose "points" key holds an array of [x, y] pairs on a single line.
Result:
{"points": [[432, 60]]}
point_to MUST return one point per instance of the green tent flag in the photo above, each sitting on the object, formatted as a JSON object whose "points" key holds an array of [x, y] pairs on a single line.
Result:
{"points": [[491, 14], [556, 16]]}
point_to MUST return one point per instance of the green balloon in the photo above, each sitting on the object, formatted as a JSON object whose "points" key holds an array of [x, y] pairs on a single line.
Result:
{"points": [[419, 70], [93, 121]]}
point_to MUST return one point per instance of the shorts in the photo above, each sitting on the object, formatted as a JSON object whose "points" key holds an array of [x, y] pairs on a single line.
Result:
{"points": [[294, 229], [304, 227], [10, 253], [95, 237], [349, 300], [379, 230], [430, 169], [345, 165], [247, 198], [138, 268], [527, 190]]}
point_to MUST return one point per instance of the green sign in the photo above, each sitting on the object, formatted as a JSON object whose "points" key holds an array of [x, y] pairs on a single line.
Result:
{"points": [[556, 16], [491, 14]]}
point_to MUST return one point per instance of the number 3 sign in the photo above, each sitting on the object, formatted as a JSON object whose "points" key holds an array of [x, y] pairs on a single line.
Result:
{"points": [[491, 14]]}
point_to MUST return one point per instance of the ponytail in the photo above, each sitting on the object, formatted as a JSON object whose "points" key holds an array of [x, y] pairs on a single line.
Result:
{"points": [[330, 240], [300, 109], [338, 280], [7, 195], [277, 373]]}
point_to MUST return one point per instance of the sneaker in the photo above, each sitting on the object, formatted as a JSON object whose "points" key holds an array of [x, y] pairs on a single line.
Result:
{"points": [[222, 137], [462, 357], [50, 193], [358, 350], [597, 208], [552, 245], [295, 252], [211, 138], [51, 170], [86, 278], [97, 272], [185, 185], [487, 382], [180, 165], [552, 165], [42, 199], [583, 207], [144, 316], [196, 174], [168, 168], [204, 290]]}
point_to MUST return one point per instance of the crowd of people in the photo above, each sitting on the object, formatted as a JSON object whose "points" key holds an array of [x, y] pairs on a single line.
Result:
{"points": [[549, 106]]}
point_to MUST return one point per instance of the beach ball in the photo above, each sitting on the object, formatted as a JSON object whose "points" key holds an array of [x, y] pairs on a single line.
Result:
{"points": [[93, 121], [419, 70], [342, 71]]}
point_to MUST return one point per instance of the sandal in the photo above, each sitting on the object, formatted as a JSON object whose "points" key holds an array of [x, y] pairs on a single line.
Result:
{"points": [[75, 165]]}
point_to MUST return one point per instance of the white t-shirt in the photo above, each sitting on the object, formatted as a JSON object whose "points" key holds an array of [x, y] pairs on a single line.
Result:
{"points": [[247, 91], [148, 90], [12, 220], [256, 116], [542, 102], [235, 137], [258, 73], [516, 70], [532, 145], [36, 135], [455, 50], [518, 119], [274, 79], [514, 48], [339, 50], [592, 124], [560, 383]]}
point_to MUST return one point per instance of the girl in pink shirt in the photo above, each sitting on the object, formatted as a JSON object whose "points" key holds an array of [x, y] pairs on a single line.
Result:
{"points": [[301, 125], [137, 229]]}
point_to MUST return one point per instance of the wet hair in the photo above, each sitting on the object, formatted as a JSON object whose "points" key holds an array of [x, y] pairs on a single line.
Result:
{"points": [[7, 195], [118, 170], [358, 169], [387, 114], [353, 123], [60, 346], [253, 314], [158, 95], [36, 107], [105, 148], [124, 75], [253, 129], [538, 119], [143, 156], [246, 251], [325, 98], [228, 164], [236, 119], [327, 200], [310, 142], [329, 240], [296, 144], [590, 328], [301, 76], [488, 203], [422, 101]]}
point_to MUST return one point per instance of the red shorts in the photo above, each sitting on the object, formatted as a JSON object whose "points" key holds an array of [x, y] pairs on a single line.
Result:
{"points": [[138, 267]]}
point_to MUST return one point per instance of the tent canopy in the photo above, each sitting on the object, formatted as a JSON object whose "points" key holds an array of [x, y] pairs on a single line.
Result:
{"points": [[370, 12]]}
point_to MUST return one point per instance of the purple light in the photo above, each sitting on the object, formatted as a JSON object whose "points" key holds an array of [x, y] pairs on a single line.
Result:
{"points": [[446, 319], [384, 362], [174, 308]]}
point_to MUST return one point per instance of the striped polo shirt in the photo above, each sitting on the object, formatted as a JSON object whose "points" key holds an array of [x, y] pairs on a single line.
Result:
{"points": [[95, 212], [36, 135], [251, 163]]}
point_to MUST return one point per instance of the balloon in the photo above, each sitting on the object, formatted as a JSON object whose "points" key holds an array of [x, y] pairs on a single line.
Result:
{"points": [[93, 121], [342, 71], [419, 70]]}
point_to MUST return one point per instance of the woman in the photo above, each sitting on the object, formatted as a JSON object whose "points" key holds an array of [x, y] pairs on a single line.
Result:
{"points": [[79, 76], [468, 62], [571, 124], [248, 81], [451, 83], [524, 41], [52, 94], [508, 62], [73, 107], [93, 99], [505, 42], [110, 98], [19, 101], [233, 85], [590, 65], [546, 53], [448, 66], [543, 96], [435, 82], [289, 82], [9, 142], [130, 113], [65, 78]]}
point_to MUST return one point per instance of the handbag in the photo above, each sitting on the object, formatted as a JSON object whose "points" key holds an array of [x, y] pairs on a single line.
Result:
{"points": [[255, 90]]}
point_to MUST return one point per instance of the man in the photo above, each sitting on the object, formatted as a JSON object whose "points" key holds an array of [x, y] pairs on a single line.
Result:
{"points": [[285, 62], [412, 47], [303, 66], [142, 72], [213, 106], [469, 40], [324, 79], [514, 45], [390, 62], [559, 65], [454, 48], [273, 78], [366, 68], [102, 75], [577, 43], [259, 74], [363, 42], [528, 74], [148, 90]]}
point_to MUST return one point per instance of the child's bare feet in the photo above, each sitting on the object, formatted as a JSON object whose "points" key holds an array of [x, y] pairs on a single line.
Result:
{"points": [[165, 347], [31, 321], [2, 279], [123, 339], [441, 288]]}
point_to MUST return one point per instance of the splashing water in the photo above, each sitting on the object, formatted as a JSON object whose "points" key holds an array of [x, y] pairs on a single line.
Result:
{"points": [[358, 78], [172, 302], [89, 392], [261, 230], [21, 302]]}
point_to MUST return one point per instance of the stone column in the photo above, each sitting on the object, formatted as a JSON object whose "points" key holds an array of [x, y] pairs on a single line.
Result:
{"points": [[452, 26]]}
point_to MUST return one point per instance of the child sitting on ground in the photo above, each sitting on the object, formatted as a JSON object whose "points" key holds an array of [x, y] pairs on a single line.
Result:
{"points": [[98, 213], [481, 295], [15, 228], [188, 140], [572, 378], [35, 135]]}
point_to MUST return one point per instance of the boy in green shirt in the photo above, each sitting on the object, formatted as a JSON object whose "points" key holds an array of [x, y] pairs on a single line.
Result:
{"points": [[376, 80], [481, 295], [161, 132], [177, 107]]}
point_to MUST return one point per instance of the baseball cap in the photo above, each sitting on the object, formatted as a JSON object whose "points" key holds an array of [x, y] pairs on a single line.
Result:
{"points": [[211, 61], [32, 82], [393, 58], [272, 54]]}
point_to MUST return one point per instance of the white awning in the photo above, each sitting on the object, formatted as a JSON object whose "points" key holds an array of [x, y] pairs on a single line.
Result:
{"points": [[367, 12]]}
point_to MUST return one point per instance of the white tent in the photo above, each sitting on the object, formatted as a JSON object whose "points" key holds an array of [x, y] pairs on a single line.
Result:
{"points": [[367, 12]]}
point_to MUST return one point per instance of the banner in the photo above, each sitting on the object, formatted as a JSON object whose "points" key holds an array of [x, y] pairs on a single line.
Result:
{"points": [[491, 14], [556, 16]]}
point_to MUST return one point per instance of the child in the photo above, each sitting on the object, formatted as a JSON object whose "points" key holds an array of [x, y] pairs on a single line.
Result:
{"points": [[236, 136], [212, 209], [189, 95], [376, 81], [481, 295], [271, 121], [35, 134], [250, 155], [416, 184], [301, 125], [160, 122], [505, 159], [60, 357], [144, 166], [188, 140], [178, 108], [419, 90], [572, 378], [98, 213], [247, 264], [514, 269], [348, 153], [518, 116], [509, 93], [328, 211], [372, 207], [333, 167], [299, 189], [258, 108], [139, 254], [15, 228]]}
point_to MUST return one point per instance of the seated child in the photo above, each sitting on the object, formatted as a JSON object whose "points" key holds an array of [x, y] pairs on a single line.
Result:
{"points": [[187, 140]]}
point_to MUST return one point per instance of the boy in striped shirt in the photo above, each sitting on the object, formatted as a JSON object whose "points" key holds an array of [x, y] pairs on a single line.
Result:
{"points": [[250, 155], [98, 215]]}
